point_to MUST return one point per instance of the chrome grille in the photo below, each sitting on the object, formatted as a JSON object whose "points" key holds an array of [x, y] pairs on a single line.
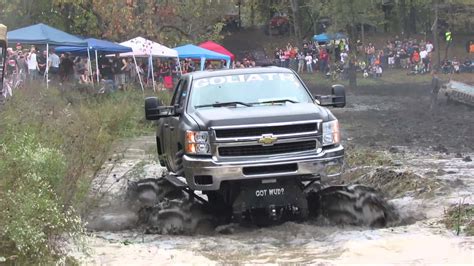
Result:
{"points": [[258, 131], [279, 148]]}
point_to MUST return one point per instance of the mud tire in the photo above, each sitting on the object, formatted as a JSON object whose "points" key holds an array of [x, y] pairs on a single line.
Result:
{"points": [[166, 209], [355, 205]]}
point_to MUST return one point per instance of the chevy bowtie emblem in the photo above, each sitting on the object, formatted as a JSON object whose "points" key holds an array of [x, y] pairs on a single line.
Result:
{"points": [[268, 139]]}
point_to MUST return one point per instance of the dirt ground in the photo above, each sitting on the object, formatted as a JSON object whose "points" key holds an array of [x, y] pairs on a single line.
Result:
{"points": [[420, 160], [398, 115]]}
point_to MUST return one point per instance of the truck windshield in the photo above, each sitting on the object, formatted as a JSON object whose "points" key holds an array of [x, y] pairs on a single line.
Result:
{"points": [[246, 90]]}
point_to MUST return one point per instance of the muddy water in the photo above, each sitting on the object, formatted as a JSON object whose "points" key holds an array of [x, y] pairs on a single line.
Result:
{"points": [[288, 243], [425, 241], [392, 118]]}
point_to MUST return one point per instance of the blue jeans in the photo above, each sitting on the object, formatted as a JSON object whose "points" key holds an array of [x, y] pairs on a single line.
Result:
{"points": [[309, 68], [33, 74]]}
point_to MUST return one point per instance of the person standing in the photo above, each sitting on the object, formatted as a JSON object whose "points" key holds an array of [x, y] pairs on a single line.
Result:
{"points": [[424, 59], [66, 68], [41, 58], [309, 63], [435, 87], [53, 64], [32, 64], [301, 61]]}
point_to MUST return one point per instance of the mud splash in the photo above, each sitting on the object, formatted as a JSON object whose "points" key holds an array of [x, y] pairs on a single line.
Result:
{"points": [[429, 174], [419, 238]]}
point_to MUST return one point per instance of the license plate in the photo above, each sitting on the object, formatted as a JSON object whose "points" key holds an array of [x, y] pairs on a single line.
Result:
{"points": [[270, 192]]}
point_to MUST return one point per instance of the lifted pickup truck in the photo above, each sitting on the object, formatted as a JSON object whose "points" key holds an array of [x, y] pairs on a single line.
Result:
{"points": [[256, 144]]}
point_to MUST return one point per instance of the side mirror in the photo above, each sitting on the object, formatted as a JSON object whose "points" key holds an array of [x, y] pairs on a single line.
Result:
{"points": [[152, 108], [339, 95], [336, 99]]}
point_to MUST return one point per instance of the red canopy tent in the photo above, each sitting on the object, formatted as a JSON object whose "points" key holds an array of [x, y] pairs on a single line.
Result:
{"points": [[210, 45]]}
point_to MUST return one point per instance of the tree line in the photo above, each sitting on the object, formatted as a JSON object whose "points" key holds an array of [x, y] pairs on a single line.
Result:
{"points": [[177, 21]]}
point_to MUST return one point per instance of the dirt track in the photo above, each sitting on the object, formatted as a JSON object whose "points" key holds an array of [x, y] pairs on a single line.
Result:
{"points": [[427, 153], [398, 115]]}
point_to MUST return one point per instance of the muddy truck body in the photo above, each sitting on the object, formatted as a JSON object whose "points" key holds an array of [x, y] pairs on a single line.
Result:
{"points": [[456, 91], [254, 142]]}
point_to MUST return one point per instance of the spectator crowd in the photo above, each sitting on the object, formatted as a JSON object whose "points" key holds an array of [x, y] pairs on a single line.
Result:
{"points": [[30, 65], [416, 56]]}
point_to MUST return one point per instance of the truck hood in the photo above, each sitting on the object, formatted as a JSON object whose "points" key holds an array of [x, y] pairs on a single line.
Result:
{"points": [[230, 116]]}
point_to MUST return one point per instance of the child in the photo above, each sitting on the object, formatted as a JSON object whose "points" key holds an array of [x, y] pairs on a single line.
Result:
{"points": [[378, 71]]}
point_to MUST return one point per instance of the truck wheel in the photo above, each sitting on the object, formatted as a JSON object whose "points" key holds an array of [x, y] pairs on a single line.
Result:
{"points": [[150, 191], [166, 209], [355, 205]]}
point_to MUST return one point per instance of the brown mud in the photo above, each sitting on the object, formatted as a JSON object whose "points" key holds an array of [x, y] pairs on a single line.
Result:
{"points": [[416, 158]]}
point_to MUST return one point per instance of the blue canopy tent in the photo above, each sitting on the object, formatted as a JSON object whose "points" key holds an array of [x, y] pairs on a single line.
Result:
{"points": [[193, 51], [101, 46], [44, 34], [326, 37], [97, 46]]}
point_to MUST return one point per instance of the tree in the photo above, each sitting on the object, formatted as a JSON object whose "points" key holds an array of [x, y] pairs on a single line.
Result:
{"points": [[170, 22]]}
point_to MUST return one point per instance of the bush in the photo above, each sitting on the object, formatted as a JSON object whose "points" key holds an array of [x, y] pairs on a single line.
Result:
{"points": [[51, 145]]}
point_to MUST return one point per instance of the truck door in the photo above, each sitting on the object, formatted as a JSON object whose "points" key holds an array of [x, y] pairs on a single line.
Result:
{"points": [[176, 142], [166, 134]]}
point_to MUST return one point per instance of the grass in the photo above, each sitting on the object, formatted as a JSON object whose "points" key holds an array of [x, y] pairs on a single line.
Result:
{"points": [[359, 157], [51, 145], [460, 218]]}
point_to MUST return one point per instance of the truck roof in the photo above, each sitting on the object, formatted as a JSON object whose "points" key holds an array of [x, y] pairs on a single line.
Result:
{"points": [[237, 71]]}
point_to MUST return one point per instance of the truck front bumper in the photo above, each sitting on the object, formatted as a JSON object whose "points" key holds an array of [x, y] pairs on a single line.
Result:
{"points": [[207, 173]]}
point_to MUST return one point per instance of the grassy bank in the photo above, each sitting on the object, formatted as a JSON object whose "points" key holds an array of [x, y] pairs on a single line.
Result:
{"points": [[51, 144]]}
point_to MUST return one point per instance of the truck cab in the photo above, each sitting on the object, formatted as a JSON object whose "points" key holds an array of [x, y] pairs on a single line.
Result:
{"points": [[248, 133]]}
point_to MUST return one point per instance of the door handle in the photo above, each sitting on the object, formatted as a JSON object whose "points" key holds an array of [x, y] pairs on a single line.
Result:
{"points": [[165, 125], [171, 128]]}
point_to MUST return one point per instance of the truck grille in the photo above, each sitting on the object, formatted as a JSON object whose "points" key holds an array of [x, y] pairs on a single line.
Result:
{"points": [[258, 131], [268, 150]]}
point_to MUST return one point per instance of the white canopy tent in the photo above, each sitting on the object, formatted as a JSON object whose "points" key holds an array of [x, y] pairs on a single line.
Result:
{"points": [[145, 48]]}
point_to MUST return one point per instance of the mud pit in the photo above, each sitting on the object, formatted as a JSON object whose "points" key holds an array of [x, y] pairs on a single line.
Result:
{"points": [[427, 171]]}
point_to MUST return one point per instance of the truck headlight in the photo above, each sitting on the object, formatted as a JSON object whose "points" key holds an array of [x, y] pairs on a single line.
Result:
{"points": [[197, 142], [331, 133]]}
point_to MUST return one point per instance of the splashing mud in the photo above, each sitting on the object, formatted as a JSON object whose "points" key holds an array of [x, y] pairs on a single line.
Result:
{"points": [[425, 176], [418, 237]]}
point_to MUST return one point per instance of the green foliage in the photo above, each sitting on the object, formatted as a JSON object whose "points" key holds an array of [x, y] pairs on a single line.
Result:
{"points": [[30, 210], [52, 143], [460, 218]]}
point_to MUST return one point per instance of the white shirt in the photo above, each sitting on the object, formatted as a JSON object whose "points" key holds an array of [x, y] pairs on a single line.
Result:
{"points": [[309, 59], [379, 70], [423, 54], [429, 47], [31, 61], [343, 57], [54, 59]]}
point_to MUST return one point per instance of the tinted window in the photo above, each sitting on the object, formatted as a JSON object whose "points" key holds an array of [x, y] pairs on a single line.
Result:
{"points": [[248, 88]]}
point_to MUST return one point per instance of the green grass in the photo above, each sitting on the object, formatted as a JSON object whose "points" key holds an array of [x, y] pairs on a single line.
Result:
{"points": [[51, 145], [460, 219]]}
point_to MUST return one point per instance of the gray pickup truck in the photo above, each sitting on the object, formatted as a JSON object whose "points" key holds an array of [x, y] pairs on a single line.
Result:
{"points": [[253, 141]]}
